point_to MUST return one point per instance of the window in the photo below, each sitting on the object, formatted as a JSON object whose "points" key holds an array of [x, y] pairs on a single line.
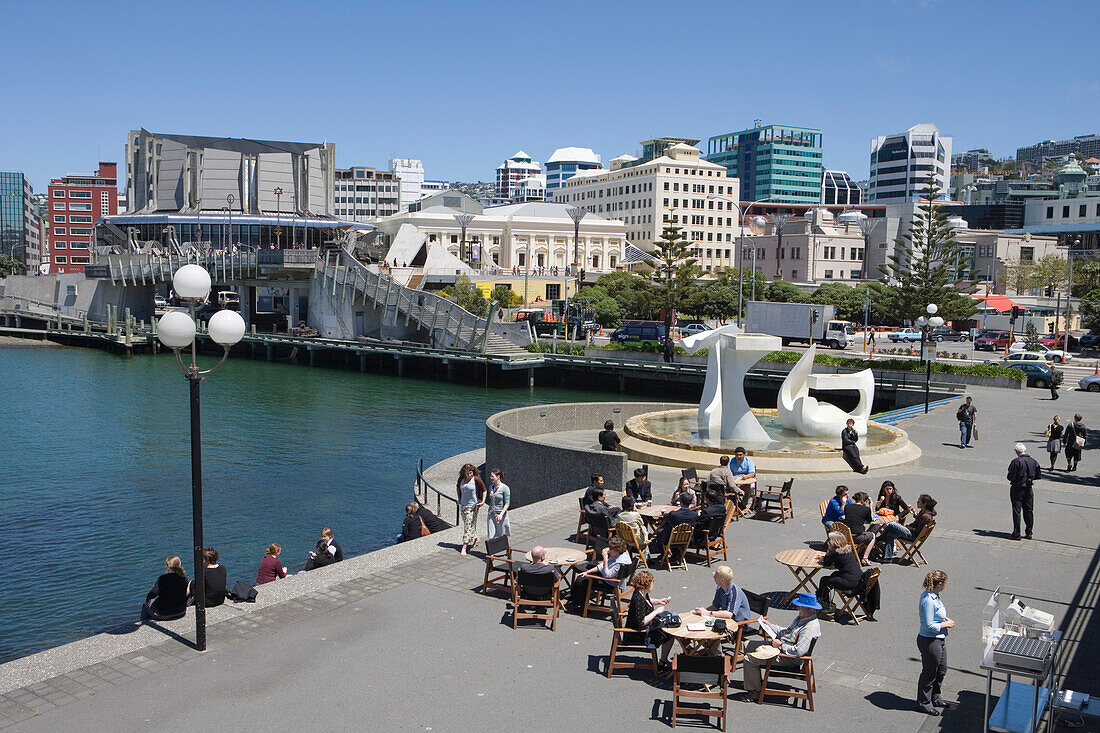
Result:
{"points": [[59, 218], [80, 220], [79, 232], [1065, 212], [454, 239], [79, 260], [60, 245], [828, 274], [60, 259], [1082, 210], [553, 292], [59, 206], [80, 194], [1050, 212], [1027, 254], [78, 245], [794, 274], [59, 231], [59, 194], [79, 207]]}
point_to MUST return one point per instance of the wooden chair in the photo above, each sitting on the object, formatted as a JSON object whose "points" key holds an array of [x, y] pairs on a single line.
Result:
{"points": [[851, 604], [844, 529], [630, 537], [824, 507], [535, 590], [804, 672], [629, 641], [776, 498], [759, 606], [609, 593], [582, 523], [599, 526], [911, 548], [711, 540], [499, 565], [678, 542], [700, 678]]}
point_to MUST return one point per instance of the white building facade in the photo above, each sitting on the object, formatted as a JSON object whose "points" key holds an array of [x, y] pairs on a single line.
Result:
{"points": [[514, 171], [675, 188], [410, 176], [363, 194], [902, 163], [565, 163]]}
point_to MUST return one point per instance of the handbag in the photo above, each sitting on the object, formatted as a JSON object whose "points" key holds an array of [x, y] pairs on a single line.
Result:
{"points": [[424, 531], [1080, 441], [667, 620]]}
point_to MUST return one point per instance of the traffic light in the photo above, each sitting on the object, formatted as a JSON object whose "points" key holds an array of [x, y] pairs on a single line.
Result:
{"points": [[1050, 290], [814, 315], [1015, 313]]}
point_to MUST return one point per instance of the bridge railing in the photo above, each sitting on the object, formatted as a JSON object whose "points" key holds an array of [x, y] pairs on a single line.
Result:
{"points": [[426, 493]]}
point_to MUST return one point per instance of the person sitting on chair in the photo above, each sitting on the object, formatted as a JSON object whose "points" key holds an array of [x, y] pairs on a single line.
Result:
{"points": [[730, 602], [615, 556], [743, 468], [684, 515], [634, 519], [595, 487], [639, 488], [327, 552], [847, 576], [683, 489], [859, 519], [722, 478], [794, 641], [889, 498], [168, 598], [926, 512], [642, 613], [539, 566], [835, 511], [715, 507], [600, 506]]}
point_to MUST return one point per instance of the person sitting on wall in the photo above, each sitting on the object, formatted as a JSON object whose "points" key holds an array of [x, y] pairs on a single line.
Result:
{"points": [[327, 552], [168, 598], [431, 521]]}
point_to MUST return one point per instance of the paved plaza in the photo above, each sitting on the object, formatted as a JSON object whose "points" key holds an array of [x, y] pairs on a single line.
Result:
{"points": [[399, 640]]}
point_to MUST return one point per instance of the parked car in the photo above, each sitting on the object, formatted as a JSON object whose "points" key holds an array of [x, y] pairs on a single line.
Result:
{"points": [[992, 341], [904, 334], [693, 328], [1038, 373], [160, 302], [1090, 383], [1056, 355], [1054, 341], [645, 334], [949, 334], [1089, 341]]}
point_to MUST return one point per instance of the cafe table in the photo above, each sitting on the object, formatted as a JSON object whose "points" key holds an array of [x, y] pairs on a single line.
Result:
{"points": [[804, 565], [695, 643], [651, 515]]}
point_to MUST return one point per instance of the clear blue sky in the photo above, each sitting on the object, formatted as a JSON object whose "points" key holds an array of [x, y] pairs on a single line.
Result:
{"points": [[463, 85]]}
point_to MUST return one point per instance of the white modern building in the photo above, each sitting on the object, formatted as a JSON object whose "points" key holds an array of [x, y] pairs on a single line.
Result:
{"points": [[430, 187], [675, 188], [512, 172], [530, 189], [564, 163], [901, 164], [410, 175]]}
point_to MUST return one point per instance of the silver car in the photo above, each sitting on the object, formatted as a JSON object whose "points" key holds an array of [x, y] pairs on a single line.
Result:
{"points": [[1090, 383]]}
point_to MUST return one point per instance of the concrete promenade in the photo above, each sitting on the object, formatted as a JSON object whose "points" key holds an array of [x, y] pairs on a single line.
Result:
{"points": [[400, 640]]}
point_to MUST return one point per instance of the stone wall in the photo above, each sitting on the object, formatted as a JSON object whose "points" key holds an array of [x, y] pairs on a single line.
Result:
{"points": [[538, 470]]}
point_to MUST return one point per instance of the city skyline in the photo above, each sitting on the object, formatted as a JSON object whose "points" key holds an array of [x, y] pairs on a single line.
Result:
{"points": [[572, 77]]}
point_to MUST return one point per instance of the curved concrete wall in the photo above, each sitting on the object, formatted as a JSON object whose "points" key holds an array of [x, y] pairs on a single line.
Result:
{"points": [[538, 468]]}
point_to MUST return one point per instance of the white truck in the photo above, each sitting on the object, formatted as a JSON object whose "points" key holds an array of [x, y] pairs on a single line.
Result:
{"points": [[804, 322]]}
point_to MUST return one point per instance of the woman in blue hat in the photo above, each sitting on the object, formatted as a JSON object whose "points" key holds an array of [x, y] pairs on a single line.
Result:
{"points": [[794, 641]]}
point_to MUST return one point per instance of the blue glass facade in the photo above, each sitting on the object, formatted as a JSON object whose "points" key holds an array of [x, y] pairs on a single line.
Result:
{"points": [[558, 173], [777, 162], [13, 236]]}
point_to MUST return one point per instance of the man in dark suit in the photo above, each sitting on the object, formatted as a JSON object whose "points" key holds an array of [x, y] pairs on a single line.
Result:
{"points": [[537, 570], [714, 511], [639, 488], [600, 506], [683, 515], [595, 487]]}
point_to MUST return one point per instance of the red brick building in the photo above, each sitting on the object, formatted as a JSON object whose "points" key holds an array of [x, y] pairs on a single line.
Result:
{"points": [[76, 203]]}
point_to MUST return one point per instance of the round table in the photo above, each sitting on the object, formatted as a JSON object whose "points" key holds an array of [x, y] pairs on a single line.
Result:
{"points": [[562, 557], [652, 515], [804, 564], [695, 643]]}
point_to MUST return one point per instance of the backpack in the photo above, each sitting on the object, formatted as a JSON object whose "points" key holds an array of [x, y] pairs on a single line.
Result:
{"points": [[242, 591]]}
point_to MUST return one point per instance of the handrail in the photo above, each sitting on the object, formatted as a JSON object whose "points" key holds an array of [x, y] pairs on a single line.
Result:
{"points": [[422, 487]]}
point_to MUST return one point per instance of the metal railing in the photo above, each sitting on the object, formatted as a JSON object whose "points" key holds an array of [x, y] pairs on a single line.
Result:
{"points": [[423, 487], [152, 268]]}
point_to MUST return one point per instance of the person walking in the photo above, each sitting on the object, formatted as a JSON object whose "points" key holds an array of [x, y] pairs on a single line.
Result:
{"points": [[1053, 389], [965, 415], [848, 446], [932, 643], [471, 497], [1054, 434], [1022, 472], [498, 500], [1074, 441]]}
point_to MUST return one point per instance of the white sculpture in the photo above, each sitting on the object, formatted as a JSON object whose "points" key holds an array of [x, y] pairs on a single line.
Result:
{"points": [[723, 410], [800, 412]]}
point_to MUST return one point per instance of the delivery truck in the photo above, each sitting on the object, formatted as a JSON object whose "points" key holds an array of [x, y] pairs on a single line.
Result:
{"points": [[801, 322]]}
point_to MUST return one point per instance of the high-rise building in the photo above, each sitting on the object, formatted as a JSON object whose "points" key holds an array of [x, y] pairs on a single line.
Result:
{"points": [[972, 160], [901, 164], [1032, 157], [564, 163], [509, 174], [410, 174], [775, 162], [363, 193], [655, 148], [77, 202], [678, 187], [20, 234]]}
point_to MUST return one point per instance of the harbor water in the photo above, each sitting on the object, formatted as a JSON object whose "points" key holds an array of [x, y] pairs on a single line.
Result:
{"points": [[95, 481]]}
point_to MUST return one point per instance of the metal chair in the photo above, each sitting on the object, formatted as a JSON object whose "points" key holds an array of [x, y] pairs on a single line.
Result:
{"points": [[700, 678], [776, 499], [804, 672]]}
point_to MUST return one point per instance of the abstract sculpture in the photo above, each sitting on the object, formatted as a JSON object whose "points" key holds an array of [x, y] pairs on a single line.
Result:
{"points": [[723, 410], [800, 412]]}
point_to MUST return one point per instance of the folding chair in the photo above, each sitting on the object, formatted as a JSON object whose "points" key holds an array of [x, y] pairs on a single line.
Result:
{"points": [[677, 541], [628, 535], [708, 541], [690, 474], [535, 590], [700, 678], [823, 507], [632, 642], [845, 530], [582, 522], [911, 548], [599, 526], [609, 592], [759, 606], [498, 565], [851, 604], [769, 501], [804, 672]]}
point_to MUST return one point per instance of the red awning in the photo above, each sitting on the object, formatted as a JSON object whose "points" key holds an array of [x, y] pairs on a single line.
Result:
{"points": [[1000, 303]]}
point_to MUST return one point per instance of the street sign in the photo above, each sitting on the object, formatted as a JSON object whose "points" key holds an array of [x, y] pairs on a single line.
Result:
{"points": [[928, 353]]}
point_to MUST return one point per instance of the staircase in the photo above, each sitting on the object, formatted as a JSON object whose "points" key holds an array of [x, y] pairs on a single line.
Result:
{"points": [[497, 344]]}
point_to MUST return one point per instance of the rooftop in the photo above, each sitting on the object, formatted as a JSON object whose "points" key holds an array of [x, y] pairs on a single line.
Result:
{"points": [[574, 155]]}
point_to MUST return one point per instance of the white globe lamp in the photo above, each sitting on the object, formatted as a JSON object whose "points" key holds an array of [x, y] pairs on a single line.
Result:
{"points": [[932, 308], [191, 282], [226, 327], [935, 321], [175, 329]]}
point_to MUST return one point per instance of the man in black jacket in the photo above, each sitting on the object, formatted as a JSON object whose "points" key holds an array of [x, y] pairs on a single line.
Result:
{"points": [[596, 487], [639, 488], [683, 515], [1022, 471], [540, 568]]}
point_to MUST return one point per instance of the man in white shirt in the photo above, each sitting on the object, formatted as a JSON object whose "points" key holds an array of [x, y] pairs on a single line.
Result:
{"points": [[794, 641]]}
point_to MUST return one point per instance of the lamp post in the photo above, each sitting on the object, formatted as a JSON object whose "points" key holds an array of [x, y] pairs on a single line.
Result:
{"points": [[1069, 293], [278, 217], [576, 213], [926, 326], [176, 330], [229, 200], [741, 214], [463, 222]]}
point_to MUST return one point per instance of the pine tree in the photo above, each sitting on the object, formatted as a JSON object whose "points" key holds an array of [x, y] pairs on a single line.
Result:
{"points": [[674, 276], [926, 264]]}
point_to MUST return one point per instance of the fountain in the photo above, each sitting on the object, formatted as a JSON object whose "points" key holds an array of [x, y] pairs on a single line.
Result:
{"points": [[802, 435]]}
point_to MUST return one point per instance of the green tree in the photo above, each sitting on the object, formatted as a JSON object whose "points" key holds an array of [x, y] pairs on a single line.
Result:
{"points": [[1086, 276], [715, 301], [781, 291], [468, 297], [926, 264], [1090, 310], [10, 266], [620, 295], [1031, 337], [674, 274], [849, 301], [505, 295]]}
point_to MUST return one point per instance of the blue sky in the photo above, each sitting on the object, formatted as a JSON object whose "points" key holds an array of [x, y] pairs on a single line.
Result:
{"points": [[464, 85]]}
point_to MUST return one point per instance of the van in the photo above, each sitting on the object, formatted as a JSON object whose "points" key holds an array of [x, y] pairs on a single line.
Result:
{"points": [[227, 299], [642, 334]]}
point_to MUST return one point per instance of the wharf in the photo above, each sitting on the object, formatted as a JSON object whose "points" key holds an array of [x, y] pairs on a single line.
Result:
{"points": [[400, 639]]}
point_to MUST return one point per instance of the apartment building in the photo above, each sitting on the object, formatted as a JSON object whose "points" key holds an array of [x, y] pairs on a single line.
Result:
{"points": [[77, 202], [901, 164], [775, 162], [20, 230], [363, 194]]}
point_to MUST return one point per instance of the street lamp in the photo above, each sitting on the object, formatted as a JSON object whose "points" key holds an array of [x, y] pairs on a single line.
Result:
{"points": [[229, 200], [741, 214], [576, 213], [176, 330], [926, 326], [463, 222], [1069, 292], [278, 217]]}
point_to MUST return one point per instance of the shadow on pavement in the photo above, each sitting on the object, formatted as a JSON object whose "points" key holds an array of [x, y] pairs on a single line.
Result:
{"points": [[171, 634], [889, 701]]}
